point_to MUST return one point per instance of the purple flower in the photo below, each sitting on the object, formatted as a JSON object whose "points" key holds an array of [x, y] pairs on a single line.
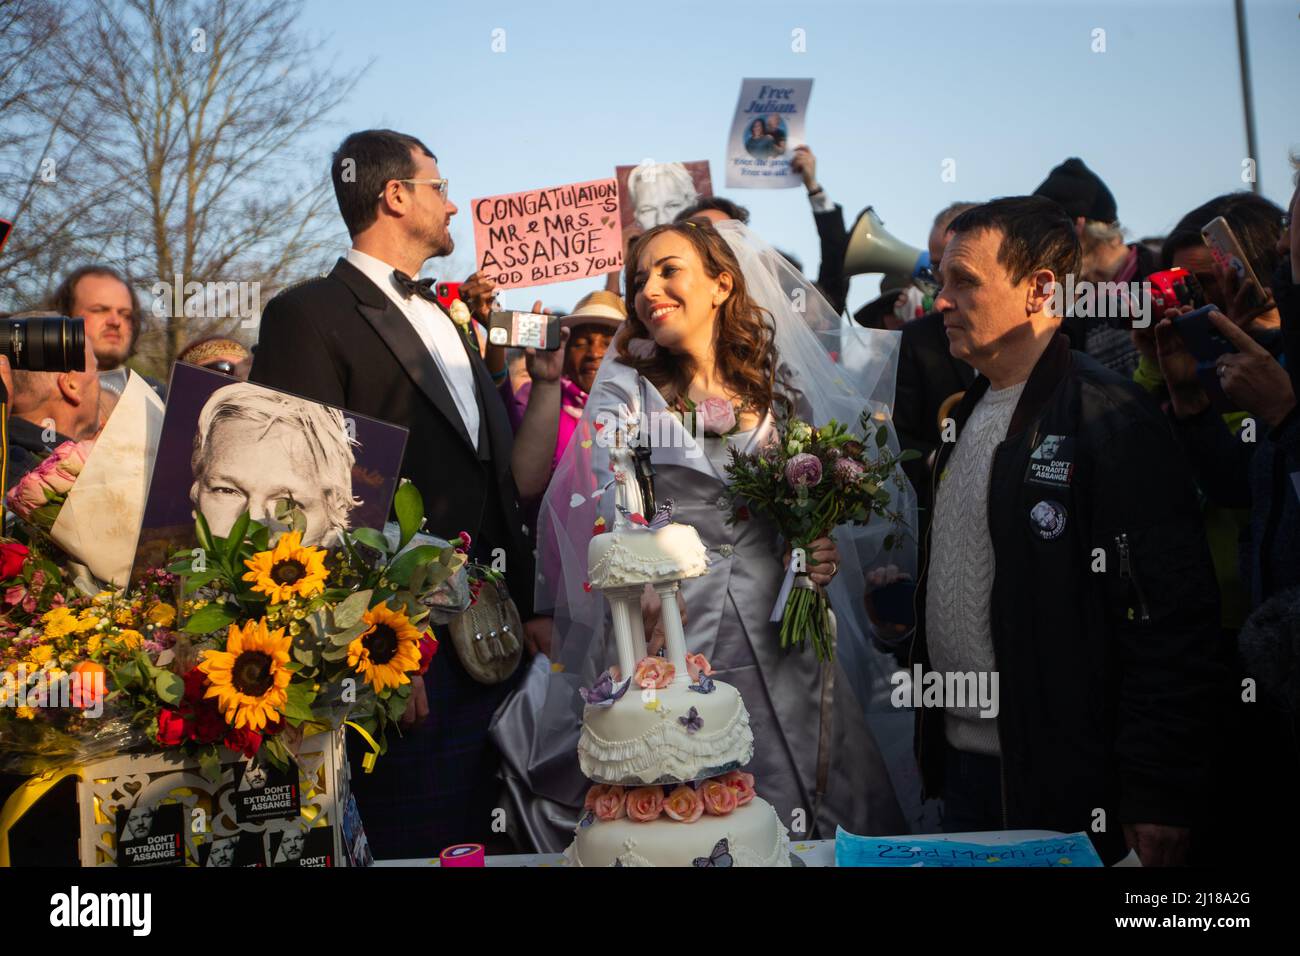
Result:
{"points": [[803, 471], [847, 471]]}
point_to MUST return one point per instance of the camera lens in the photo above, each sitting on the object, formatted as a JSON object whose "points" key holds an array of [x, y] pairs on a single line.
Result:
{"points": [[44, 344]]}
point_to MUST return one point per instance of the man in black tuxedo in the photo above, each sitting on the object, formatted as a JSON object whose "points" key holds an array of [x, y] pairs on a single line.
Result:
{"points": [[370, 339]]}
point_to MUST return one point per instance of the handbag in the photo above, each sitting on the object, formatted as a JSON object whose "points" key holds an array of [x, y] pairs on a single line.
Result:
{"points": [[486, 636]]}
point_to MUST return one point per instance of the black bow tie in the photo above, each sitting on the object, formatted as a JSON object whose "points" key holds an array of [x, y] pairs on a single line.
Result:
{"points": [[421, 287]]}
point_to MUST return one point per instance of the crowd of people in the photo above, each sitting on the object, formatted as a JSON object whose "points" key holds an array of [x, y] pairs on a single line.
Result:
{"points": [[1112, 534]]}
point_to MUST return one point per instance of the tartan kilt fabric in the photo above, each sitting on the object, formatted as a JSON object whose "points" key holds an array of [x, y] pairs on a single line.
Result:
{"points": [[437, 784]]}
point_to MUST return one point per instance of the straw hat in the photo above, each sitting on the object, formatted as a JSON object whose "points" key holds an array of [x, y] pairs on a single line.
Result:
{"points": [[596, 308]]}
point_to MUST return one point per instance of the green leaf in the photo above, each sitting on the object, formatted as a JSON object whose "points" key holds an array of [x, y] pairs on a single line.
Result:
{"points": [[209, 619], [395, 704], [260, 536], [237, 532], [882, 437], [195, 581], [298, 698], [210, 763], [170, 687], [372, 539], [410, 511], [349, 612], [336, 653], [347, 636], [399, 572], [909, 454], [203, 533]]}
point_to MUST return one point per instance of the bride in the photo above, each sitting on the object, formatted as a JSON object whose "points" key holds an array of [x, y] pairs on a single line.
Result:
{"points": [[718, 321]]}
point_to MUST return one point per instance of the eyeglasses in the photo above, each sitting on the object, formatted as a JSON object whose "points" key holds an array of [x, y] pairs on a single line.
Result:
{"points": [[439, 184], [222, 366]]}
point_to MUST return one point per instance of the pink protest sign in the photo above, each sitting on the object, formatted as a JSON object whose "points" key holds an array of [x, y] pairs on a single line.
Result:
{"points": [[548, 235]]}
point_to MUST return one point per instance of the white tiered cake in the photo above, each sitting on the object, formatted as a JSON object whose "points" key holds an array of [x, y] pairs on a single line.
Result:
{"points": [[663, 741]]}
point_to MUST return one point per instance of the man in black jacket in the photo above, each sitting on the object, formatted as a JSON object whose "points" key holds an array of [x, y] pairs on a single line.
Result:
{"points": [[1066, 569], [369, 338]]}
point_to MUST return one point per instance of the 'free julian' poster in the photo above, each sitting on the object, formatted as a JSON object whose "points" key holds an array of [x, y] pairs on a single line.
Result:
{"points": [[767, 126]]}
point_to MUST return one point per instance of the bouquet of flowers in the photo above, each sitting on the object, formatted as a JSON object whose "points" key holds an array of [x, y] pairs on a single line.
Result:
{"points": [[809, 481], [40, 494], [272, 640], [59, 652]]}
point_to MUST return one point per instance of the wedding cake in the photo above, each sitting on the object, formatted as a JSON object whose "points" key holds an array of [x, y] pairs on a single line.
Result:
{"points": [[661, 740]]}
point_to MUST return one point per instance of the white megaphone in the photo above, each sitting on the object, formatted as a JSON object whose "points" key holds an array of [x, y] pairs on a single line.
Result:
{"points": [[872, 249]]}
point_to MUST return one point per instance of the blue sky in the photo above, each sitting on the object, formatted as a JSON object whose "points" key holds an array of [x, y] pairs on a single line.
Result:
{"points": [[1007, 90]]}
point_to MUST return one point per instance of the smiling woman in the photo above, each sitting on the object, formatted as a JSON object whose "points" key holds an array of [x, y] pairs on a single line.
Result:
{"points": [[255, 448]]}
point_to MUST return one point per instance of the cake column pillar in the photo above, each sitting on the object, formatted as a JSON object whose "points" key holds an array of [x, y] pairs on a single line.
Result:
{"points": [[625, 608], [639, 649], [675, 637]]}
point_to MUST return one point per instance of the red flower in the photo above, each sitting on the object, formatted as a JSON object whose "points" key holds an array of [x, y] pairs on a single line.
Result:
{"points": [[171, 727], [428, 647], [245, 741], [196, 718], [12, 556]]}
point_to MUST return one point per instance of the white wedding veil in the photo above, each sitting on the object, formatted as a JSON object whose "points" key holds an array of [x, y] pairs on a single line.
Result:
{"points": [[820, 389]]}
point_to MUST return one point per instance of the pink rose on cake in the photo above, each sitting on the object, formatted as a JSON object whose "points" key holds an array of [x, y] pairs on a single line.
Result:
{"points": [[645, 804], [593, 795], [742, 783], [684, 805], [612, 804], [654, 672], [696, 664], [718, 798]]}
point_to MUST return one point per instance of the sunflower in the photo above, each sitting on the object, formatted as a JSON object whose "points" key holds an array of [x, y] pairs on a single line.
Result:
{"points": [[387, 649], [249, 678], [288, 570]]}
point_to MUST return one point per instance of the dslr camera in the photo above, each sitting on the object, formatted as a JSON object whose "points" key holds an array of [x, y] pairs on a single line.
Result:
{"points": [[44, 343]]}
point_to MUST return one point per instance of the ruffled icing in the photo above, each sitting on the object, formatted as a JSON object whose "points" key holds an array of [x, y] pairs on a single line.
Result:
{"points": [[742, 854], [666, 752], [637, 557]]}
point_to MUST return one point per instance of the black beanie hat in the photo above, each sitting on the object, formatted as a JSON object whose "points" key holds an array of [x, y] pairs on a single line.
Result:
{"points": [[1079, 191]]}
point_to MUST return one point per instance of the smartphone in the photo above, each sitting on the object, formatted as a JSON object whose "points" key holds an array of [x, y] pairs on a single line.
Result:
{"points": [[1206, 345], [1228, 254], [524, 330], [6, 227], [447, 293]]}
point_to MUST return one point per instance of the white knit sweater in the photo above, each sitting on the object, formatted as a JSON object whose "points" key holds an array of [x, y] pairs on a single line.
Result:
{"points": [[958, 633]]}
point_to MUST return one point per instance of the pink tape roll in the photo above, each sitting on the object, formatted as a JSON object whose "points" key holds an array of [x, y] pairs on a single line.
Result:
{"points": [[463, 854]]}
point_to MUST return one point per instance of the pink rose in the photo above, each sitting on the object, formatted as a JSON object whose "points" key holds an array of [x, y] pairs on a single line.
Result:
{"points": [[27, 495], [612, 804], [696, 664], [71, 456], [742, 783], [716, 415], [56, 479], [593, 795], [684, 805], [718, 798], [644, 804], [654, 672]]}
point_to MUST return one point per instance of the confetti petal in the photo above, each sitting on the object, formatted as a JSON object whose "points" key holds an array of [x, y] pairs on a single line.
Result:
{"points": [[585, 443], [576, 500]]}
